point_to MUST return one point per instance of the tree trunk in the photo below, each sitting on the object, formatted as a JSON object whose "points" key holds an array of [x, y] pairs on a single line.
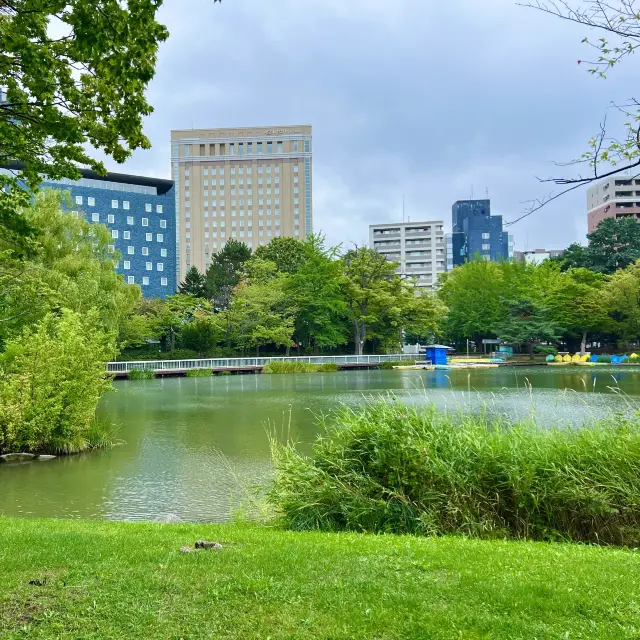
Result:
{"points": [[173, 339], [530, 347], [288, 351], [359, 336], [257, 351], [583, 344]]}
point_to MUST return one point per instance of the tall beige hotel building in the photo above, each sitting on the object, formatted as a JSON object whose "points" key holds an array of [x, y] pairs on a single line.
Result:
{"points": [[250, 184]]}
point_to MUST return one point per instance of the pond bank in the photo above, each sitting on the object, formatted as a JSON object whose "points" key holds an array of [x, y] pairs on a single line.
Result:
{"points": [[115, 580]]}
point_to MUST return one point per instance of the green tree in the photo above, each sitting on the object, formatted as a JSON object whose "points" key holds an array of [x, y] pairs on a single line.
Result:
{"points": [[473, 294], [70, 266], [225, 273], [574, 302], [201, 334], [621, 297], [528, 323], [314, 291], [75, 72], [367, 286], [615, 244], [51, 378], [573, 257], [288, 254], [259, 313], [166, 318], [194, 284]]}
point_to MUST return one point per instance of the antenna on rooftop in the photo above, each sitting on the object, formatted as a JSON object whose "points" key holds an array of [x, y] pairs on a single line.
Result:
{"points": [[471, 192], [487, 192]]}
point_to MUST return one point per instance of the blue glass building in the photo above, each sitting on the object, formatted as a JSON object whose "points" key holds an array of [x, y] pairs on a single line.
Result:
{"points": [[140, 214], [476, 233]]}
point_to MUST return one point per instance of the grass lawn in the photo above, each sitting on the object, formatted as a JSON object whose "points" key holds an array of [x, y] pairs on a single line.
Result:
{"points": [[86, 579]]}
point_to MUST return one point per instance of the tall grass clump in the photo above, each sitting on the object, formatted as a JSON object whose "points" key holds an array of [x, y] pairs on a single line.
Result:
{"points": [[298, 367], [199, 373], [142, 374], [399, 363], [390, 468]]}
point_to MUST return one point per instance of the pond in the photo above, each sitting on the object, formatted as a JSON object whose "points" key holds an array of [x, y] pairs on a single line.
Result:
{"points": [[192, 446]]}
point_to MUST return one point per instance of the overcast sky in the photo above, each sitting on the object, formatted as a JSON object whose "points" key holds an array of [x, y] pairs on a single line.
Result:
{"points": [[417, 97]]}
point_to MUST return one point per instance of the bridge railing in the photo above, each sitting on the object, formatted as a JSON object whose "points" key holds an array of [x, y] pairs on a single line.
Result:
{"points": [[230, 363]]}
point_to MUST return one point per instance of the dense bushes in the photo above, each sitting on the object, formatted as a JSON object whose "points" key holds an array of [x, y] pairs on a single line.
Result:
{"points": [[142, 374], [51, 379], [298, 367], [389, 468]]}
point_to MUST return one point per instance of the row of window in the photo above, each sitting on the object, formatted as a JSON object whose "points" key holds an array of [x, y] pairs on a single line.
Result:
{"points": [[237, 170], [115, 234], [145, 281], [126, 265], [145, 251], [126, 205], [95, 217], [244, 148]]}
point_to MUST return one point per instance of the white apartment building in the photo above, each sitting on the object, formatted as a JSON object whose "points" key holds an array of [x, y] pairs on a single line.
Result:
{"points": [[417, 247]]}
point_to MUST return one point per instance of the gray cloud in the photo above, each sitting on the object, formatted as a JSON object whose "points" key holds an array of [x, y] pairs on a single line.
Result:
{"points": [[425, 99]]}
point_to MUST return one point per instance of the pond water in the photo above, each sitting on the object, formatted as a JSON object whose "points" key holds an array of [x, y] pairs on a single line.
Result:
{"points": [[191, 446]]}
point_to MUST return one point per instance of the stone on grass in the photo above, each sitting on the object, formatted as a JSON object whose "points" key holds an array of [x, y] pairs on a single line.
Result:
{"points": [[44, 458], [206, 544], [186, 550]]}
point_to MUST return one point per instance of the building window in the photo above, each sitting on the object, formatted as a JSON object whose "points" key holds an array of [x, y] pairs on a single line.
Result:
{"points": [[110, 218], [486, 236], [486, 247], [127, 264], [163, 253], [149, 237], [163, 224], [149, 266], [114, 233], [145, 251], [95, 217], [158, 208], [159, 237], [126, 235], [91, 201], [145, 280], [160, 266], [125, 204], [145, 222], [114, 204], [147, 207], [131, 250], [279, 147], [163, 282], [78, 199], [131, 280], [129, 220]]}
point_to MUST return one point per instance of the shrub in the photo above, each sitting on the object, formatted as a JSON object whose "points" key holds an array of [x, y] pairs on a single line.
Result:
{"points": [[142, 374], [546, 350], [199, 373], [390, 468], [298, 367], [178, 354], [400, 363], [51, 379], [604, 358]]}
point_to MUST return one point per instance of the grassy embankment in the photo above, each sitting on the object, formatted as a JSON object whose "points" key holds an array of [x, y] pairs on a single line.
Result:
{"points": [[90, 579]]}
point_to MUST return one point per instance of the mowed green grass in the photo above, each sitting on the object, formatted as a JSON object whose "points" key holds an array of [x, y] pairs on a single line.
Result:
{"points": [[86, 579]]}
